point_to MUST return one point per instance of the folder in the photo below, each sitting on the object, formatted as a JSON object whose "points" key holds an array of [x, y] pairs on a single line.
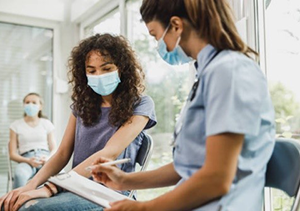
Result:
{"points": [[87, 188]]}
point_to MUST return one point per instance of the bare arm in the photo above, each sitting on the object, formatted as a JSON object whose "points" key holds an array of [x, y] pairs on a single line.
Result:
{"points": [[51, 143], [213, 180], [12, 145], [116, 144], [61, 157], [120, 140], [119, 180], [164, 176], [18, 196]]}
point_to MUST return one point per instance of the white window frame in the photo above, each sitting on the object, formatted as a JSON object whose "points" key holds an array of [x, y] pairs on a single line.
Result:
{"points": [[103, 8], [260, 32]]}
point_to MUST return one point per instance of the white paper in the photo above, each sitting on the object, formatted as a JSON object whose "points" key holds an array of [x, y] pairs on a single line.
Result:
{"points": [[87, 188]]}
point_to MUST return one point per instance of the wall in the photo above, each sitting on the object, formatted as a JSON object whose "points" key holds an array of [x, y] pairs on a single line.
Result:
{"points": [[43, 9]]}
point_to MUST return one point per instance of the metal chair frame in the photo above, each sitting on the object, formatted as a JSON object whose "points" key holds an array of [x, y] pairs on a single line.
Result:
{"points": [[10, 177], [144, 155]]}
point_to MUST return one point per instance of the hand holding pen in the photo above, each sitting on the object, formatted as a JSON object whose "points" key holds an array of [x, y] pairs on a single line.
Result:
{"points": [[109, 163], [105, 172]]}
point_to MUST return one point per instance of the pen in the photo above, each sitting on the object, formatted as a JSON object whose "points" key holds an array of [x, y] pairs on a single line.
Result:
{"points": [[115, 162]]}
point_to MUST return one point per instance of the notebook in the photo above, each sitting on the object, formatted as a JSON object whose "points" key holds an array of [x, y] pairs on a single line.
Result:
{"points": [[87, 188]]}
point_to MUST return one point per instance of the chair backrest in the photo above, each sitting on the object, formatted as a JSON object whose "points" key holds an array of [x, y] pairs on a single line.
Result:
{"points": [[144, 154], [283, 170]]}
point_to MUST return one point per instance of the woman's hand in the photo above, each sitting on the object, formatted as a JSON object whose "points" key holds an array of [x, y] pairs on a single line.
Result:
{"points": [[111, 176], [43, 159], [127, 205], [9, 199], [32, 194], [35, 162]]}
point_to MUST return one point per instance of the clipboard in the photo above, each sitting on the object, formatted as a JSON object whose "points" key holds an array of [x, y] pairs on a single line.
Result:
{"points": [[87, 188]]}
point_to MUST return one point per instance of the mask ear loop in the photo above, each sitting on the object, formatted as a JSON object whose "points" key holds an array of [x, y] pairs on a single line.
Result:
{"points": [[178, 41], [165, 32]]}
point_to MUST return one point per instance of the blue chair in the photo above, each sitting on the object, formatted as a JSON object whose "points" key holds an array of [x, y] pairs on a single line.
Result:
{"points": [[283, 170], [144, 155]]}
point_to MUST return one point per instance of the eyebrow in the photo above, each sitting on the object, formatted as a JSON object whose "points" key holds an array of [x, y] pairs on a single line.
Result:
{"points": [[106, 63]]}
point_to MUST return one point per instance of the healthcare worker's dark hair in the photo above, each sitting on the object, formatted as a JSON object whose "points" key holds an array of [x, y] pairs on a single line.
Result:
{"points": [[86, 103], [40, 114], [212, 19]]}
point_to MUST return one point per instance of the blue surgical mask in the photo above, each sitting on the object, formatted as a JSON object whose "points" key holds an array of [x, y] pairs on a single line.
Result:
{"points": [[104, 84], [31, 109], [175, 57]]}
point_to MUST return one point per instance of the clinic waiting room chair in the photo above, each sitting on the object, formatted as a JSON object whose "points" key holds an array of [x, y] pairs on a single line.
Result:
{"points": [[10, 177], [144, 154], [283, 170]]}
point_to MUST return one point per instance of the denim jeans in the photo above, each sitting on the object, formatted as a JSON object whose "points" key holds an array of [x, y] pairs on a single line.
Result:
{"points": [[24, 171], [60, 202], [63, 201]]}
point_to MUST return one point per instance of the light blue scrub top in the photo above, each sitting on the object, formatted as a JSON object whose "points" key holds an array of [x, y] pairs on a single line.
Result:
{"points": [[233, 97]]}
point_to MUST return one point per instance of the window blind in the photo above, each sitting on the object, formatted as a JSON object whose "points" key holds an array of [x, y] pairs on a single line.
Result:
{"points": [[25, 66]]}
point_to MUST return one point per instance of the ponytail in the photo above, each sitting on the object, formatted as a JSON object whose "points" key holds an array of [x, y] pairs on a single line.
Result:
{"points": [[214, 22]]}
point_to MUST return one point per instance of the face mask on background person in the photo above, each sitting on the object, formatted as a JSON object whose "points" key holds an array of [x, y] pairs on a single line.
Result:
{"points": [[31, 109], [175, 57], [104, 84]]}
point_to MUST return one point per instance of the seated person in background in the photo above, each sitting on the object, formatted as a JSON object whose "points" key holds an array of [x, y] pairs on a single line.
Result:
{"points": [[108, 119], [31, 140]]}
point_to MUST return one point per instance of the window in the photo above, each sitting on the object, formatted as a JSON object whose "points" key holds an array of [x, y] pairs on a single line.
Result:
{"points": [[282, 20], [110, 23], [283, 61], [25, 66]]}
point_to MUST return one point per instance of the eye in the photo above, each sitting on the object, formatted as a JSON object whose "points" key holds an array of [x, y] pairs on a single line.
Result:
{"points": [[91, 71], [107, 69]]}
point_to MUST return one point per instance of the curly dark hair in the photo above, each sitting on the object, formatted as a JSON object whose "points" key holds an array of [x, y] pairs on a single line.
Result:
{"points": [[86, 103]]}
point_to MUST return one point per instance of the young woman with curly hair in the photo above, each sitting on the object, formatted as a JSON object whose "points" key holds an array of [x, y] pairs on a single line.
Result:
{"points": [[108, 117]]}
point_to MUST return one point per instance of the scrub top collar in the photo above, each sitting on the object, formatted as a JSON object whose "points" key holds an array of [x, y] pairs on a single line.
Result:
{"points": [[204, 56]]}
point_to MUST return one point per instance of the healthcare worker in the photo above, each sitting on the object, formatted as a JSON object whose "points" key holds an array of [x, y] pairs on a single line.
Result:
{"points": [[225, 135]]}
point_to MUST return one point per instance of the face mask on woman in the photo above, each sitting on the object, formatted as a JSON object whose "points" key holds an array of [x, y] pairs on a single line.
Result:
{"points": [[175, 57], [31, 109], [104, 84]]}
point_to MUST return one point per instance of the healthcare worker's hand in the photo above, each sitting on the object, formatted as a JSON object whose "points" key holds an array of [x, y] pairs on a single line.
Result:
{"points": [[32, 194], [8, 200], [111, 176], [35, 162], [127, 205]]}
